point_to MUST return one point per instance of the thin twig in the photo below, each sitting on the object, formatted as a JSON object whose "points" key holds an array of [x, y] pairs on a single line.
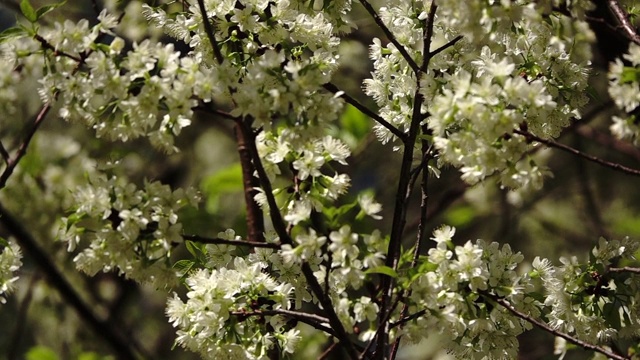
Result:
{"points": [[281, 229], [120, 344], [365, 110], [408, 318], [45, 44], [623, 18], [208, 29], [504, 303], [325, 354], [390, 36], [219, 241], [4, 153], [628, 269], [22, 149], [551, 143], [400, 209], [446, 46], [311, 319], [223, 114]]}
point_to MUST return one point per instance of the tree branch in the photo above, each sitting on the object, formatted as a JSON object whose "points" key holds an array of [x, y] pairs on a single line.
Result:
{"points": [[390, 36], [446, 46], [311, 319], [365, 110], [219, 241], [551, 143], [504, 303], [628, 269], [623, 18], [208, 29], [403, 190], [121, 345], [281, 229], [22, 149]]}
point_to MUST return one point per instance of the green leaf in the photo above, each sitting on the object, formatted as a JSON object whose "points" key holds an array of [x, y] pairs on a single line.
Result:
{"points": [[48, 8], [41, 353], [12, 32], [629, 75], [385, 270], [225, 181], [184, 266], [28, 11]]}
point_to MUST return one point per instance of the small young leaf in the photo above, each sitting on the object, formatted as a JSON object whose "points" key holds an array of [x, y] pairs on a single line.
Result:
{"points": [[28, 11], [48, 8], [385, 270], [10, 33]]}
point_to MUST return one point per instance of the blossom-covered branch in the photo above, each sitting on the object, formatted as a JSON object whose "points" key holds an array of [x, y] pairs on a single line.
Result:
{"points": [[555, 144]]}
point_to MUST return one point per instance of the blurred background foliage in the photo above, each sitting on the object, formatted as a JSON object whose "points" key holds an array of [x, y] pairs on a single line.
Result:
{"points": [[580, 203]]}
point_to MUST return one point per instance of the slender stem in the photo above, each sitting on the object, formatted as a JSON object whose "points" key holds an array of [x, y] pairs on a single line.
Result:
{"points": [[365, 110], [4, 153], [446, 46], [121, 345], [311, 319], [281, 229], [326, 353], [628, 269], [407, 318], [208, 29], [551, 143], [22, 149], [46, 45], [417, 247], [623, 18], [504, 303], [390, 36], [403, 190], [219, 241]]}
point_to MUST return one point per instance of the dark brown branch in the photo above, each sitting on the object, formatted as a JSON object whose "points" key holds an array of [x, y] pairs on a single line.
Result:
{"points": [[326, 353], [365, 110], [22, 149], [390, 36], [623, 18], [446, 46], [208, 29], [5, 154], [281, 229], [310, 319], [585, 345], [219, 241], [403, 191], [255, 220], [552, 143], [609, 141], [118, 342], [223, 114], [45, 44], [407, 318]]}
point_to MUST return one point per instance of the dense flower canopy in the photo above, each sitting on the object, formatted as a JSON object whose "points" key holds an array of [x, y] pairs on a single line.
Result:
{"points": [[475, 85]]}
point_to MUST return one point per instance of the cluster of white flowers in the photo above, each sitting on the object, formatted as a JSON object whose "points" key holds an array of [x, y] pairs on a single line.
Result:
{"points": [[522, 72], [127, 229], [10, 263], [624, 88], [206, 323], [145, 92], [511, 70], [452, 295], [589, 301], [275, 56]]}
